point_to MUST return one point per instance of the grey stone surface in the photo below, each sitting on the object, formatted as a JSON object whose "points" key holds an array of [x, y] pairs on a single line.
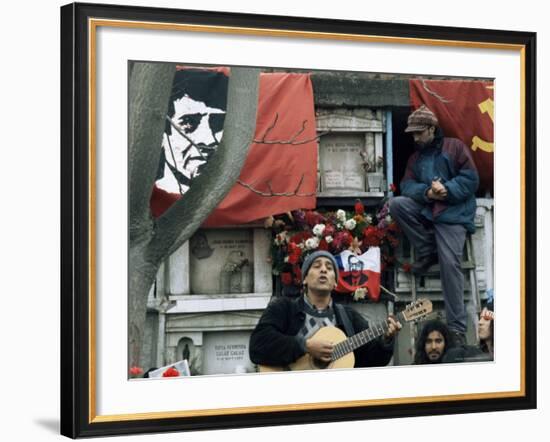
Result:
{"points": [[224, 264], [263, 281], [178, 271], [340, 163], [216, 342], [179, 325], [226, 352], [334, 89], [351, 153]]}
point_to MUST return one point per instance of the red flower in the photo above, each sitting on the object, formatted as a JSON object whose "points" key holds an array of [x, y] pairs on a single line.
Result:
{"points": [[323, 244], [299, 237], [347, 238], [406, 267], [341, 240], [359, 208], [372, 237], [329, 230], [392, 187], [135, 371], [294, 256], [170, 373], [286, 278], [313, 218]]}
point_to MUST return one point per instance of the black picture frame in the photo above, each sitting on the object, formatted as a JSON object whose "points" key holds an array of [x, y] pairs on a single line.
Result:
{"points": [[77, 403]]}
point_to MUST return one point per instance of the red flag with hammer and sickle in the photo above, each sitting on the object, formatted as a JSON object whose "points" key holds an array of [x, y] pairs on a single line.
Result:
{"points": [[465, 110]]}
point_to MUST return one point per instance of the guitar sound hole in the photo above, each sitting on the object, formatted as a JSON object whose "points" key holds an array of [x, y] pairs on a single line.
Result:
{"points": [[320, 364]]}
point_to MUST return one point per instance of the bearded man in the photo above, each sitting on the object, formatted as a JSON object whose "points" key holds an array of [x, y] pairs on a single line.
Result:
{"points": [[433, 343]]}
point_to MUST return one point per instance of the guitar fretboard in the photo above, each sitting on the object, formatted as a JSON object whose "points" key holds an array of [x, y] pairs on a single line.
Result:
{"points": [[358, 340]]}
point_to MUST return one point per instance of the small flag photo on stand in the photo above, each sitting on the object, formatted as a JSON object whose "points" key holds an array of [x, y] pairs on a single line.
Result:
{"points": [[179, 369]]}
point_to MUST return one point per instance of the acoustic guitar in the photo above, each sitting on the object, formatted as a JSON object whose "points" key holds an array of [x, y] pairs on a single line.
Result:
{"points": [[342, 355]]}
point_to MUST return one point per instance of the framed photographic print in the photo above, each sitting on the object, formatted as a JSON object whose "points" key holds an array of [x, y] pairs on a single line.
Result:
{"points": [[234, 186]]}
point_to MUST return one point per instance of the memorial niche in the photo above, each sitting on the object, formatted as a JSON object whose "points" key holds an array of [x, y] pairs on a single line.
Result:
{"points": [[226, 352], [341, 165], [222, 261]]}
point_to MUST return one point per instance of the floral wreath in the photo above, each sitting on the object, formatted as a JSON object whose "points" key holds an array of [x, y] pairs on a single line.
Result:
{"points": [[302, 232]]}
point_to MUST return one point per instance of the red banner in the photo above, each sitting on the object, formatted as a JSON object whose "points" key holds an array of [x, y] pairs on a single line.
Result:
{"points": [[276, 177], [465, 110], [280, 171]]}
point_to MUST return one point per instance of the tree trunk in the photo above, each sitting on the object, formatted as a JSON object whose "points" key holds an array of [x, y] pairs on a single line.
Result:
{"points": [[141, 277], [152, 242]]}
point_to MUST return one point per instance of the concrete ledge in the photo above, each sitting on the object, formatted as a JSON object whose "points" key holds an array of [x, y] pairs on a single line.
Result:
{"points": [[219, 303]]}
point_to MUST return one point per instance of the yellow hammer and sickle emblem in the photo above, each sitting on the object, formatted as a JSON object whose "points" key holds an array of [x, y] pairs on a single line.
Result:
{"points": [[487, 106]]}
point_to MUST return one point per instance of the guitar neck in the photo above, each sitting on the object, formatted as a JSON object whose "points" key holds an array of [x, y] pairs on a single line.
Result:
{"points": [[362, 338]]}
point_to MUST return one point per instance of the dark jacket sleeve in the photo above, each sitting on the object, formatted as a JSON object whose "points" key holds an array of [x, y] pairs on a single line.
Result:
{"points": [[376, 353], [466, 181], [269, 343], [410, 184]]}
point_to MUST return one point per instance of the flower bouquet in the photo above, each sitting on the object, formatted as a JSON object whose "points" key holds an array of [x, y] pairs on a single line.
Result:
{"points": [[305, 231]]}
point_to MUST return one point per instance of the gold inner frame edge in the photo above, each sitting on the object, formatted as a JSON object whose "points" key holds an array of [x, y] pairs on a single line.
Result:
{"points": [[93, 24]]}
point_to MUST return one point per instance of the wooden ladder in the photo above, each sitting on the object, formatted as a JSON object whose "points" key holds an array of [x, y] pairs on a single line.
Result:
{"points": [[467, 266]]}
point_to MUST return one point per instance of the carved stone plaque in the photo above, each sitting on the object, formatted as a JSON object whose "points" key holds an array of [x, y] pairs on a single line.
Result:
{"points": [[341, 163], [222, 261], [226, 352]]}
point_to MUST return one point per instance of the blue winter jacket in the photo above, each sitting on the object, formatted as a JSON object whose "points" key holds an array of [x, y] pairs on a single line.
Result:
{"points": [[450, 161]]}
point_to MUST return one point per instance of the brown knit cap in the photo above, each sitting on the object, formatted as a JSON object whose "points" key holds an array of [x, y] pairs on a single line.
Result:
{"points": [[421, 119]]}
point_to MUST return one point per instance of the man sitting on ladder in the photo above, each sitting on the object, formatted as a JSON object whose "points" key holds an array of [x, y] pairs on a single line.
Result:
{"points": [[437, 209]]}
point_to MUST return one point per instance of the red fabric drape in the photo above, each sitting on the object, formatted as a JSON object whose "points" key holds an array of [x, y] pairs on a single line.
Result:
{"points": [[285, 107]]}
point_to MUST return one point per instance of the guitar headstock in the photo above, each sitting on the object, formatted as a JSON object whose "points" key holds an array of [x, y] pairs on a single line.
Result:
{"points": [[417, 309]]}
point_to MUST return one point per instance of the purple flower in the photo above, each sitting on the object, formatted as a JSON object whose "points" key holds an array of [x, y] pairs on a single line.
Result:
{"points": [[382, 224], [299, 218]]}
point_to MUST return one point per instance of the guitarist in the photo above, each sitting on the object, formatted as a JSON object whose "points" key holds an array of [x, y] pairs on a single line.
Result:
{"points": [[285, 330]]}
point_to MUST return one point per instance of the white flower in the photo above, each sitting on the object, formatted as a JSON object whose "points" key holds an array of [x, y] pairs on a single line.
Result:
{"points": [[368, 219], [350, 224], [318, 229], [341, 215], [389, 219], [312, 243], [328, 239], [360, 293]]}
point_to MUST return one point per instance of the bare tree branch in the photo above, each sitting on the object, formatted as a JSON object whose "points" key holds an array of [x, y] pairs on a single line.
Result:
{"points": [[272, 193], [292, 140], [270, 128], [439, 97]]}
